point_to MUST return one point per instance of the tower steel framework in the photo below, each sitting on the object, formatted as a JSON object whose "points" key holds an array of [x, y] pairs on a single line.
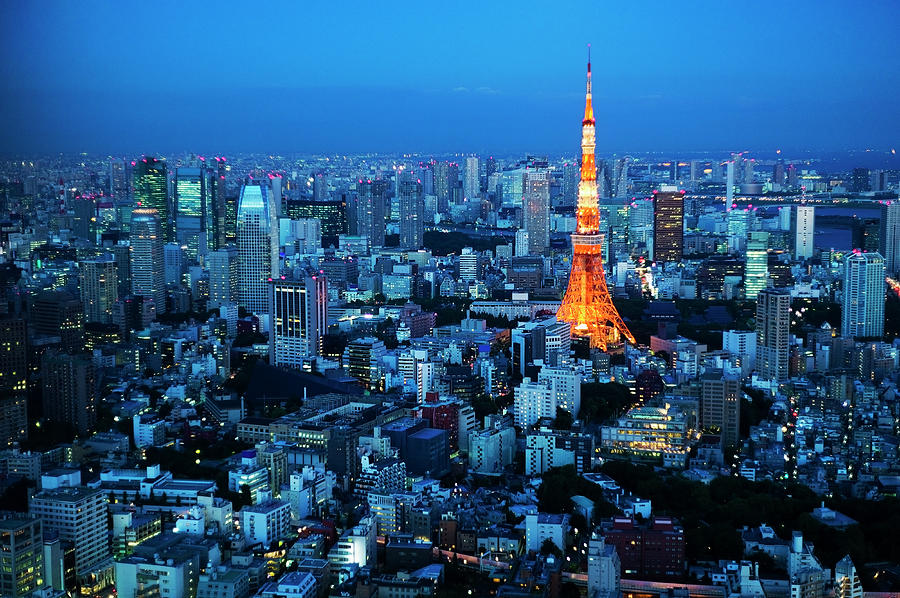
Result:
{"points": [[587, 304]]}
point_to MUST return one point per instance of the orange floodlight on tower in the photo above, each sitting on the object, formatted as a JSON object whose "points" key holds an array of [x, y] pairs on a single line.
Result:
{"points": [[587, 305]]}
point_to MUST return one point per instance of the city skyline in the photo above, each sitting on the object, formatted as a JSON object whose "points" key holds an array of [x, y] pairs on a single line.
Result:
{"points": [[288, 85]]}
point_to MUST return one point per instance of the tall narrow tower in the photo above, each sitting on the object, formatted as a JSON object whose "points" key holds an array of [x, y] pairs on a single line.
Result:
{"points": [[587, 305]]}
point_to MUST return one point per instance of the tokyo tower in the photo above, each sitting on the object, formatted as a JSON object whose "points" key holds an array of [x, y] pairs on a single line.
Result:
{"points": [[587, 305]]}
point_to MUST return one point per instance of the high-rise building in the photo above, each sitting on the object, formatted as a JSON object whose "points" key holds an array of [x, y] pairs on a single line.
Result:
{"points": [[862, 307], [332, 214], [889, 236], [195, 212], [587, 305], [148, 276], [69, 392], [13, 381], [804, 231], [773, 321], [151, 192], [61, 314], [370, 211], [412, 211], [21, 555], [604, 569], [78, 515], [223, 276], [859, 180], [668, 224], [173, 263], [257, 229], [756, 271], [720, 405], [537, 210], [729, 184], [298, 311], [472, 182], [362, 358], [99, 288], [846, 580], [778, 173], [85, 225]]}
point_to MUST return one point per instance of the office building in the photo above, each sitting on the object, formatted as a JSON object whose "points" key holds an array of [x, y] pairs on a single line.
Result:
{"points": [[546, 449], [412, 211], [773, 319], [362, 359], [862, 305], [194, 210], [846, 580], [78, 515], [68, 390], [371, 197], [656, 435], [147, 263], [604, 568], [223, 276], [889, 236], [472, 180], [257, 231], [151, 192], [428, 453], [668, 224], [741, 344], [59, 314], [21, 555], [99, 288], [652, 549], [720, 406], [172, 574], [756, 270], [537, 210], [13, 381], [331, 213], [491, 450], [266, 522], [299, 309], [173, 263], [804, 231]]}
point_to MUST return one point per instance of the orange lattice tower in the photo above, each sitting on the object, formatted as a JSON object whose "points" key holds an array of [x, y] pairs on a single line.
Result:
{"points": [[587, 305]]}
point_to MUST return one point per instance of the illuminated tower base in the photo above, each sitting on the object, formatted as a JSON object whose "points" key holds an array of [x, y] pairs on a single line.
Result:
{"points": [[587, 305]]}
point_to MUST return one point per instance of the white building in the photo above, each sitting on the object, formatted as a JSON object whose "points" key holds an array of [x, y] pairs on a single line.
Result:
{"points": [[149, 430], [545, 526], [293, 585], [491, 449], [299, 316], [472, 178], [804, 231], [223, 276], [862, 313], [265, 522], [532, 401], [176, 574], [356, 546], [257, 235], [604, 568], [566, 385], [308, 491], [78, 515], [741, 344]]}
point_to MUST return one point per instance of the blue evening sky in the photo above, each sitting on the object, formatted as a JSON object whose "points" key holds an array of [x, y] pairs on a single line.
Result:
{"points": [[311, 76]]}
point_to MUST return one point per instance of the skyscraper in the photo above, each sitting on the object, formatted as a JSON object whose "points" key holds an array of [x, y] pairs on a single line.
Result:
{"points": [[151, 191], [195, 214], [804, 231], [147, 265], [773, 320], [587, 306], [720, 405], [889, 237], [257, 229], [472, 183], [537, 210], [299, 309], [223, 276], [99, 288], [756, 271], [862, 307], [668, 224], [13, 381], [69, 393], [79, 516], [21, 544], [412, 212], [370, 211], [58, 313]]}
